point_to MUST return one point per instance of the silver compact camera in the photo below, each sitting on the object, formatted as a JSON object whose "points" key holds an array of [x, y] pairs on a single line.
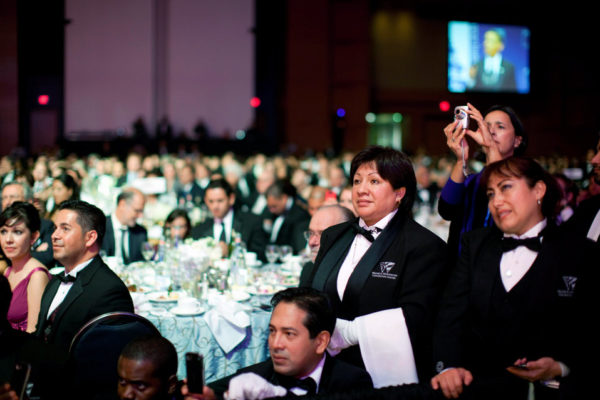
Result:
{"points": [[460, 113]]}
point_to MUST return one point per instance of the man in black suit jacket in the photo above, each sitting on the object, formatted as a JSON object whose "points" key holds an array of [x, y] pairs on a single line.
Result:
{"points": [[287, 220], [90, 288], [585, 222], [220, 199], [189, 191], [124, 236], [493, 72], [300, 329]]}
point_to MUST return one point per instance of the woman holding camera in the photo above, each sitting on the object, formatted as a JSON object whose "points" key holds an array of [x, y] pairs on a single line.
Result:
{"points": [[500, 135]]}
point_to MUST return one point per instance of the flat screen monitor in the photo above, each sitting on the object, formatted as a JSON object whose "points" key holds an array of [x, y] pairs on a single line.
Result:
{"points": [[488, 57]]}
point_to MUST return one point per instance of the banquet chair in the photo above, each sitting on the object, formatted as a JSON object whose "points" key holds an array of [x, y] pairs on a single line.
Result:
{"points": [[95, 350]]}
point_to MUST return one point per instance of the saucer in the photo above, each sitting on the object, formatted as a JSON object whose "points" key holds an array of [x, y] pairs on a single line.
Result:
{"points": [[187, 311]]}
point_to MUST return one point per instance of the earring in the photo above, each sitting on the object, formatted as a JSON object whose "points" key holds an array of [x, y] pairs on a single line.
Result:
{"points": [[539, 202]]}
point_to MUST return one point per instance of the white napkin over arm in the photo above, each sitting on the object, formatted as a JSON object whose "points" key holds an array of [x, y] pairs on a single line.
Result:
{"points": [[384, 344]]}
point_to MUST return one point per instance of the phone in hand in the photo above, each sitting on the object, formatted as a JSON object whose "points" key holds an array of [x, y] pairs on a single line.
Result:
{"points": [[20, 378], [194, 364]]}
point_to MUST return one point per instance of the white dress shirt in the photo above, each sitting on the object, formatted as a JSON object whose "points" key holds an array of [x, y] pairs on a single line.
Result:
{"points": [[358, 248], [227, 224], [64, 287], [514, 264], [315, 375], [120, 229]]}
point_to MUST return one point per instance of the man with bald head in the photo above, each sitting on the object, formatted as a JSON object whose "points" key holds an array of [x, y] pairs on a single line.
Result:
{"points": [[124, 236], [322, 219]]}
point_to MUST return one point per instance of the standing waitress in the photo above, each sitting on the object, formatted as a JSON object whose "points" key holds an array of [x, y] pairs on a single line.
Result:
{"points": [[382, 272]]}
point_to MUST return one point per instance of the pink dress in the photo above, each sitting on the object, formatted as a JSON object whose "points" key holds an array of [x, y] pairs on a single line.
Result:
{"points": [[17, 312]]}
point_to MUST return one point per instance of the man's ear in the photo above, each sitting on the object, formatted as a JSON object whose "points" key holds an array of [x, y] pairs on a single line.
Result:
{"points": [[172, 383], [322, 340], [90, 238]]}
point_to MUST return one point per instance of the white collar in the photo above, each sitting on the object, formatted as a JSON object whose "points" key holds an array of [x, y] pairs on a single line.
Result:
{"points": [[117, 225], [317, 372], [381, 224], [80, 267], [533, 232]]}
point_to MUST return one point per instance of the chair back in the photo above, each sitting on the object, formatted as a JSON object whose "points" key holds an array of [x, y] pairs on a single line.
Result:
{"points": [[95, 350]]}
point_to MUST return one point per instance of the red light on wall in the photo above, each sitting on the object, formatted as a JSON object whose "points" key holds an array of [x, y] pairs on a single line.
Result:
{"points": [[255, 102], [444, 106], [43, 99]]}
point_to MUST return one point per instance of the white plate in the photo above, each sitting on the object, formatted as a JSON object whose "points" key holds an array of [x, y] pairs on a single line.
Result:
{"points": [[164, 297], [264, 291], [239, 295], [187, 312]]}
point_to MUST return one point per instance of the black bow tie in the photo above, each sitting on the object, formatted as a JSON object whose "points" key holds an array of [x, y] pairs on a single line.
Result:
{"points": [[65, 278], [534, 243], [307, 384], [367, 233]]}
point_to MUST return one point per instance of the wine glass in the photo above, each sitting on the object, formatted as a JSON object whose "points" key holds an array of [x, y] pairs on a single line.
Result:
{"points": [[148, 251], [285, 251], [272, 252]]}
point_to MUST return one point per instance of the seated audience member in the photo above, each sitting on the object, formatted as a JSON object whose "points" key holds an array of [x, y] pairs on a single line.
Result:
{"points": [[497, 328], [345, 199], [178, 226], [124, 236], [257, 201], [316, 198], [189, 192], [64, 187], [287, 220], [568, 201], [322, 219], [19, 229], [88, 288], [383, 273], [42, 247], [220, 199], [147, 369], [585, 222], [299, 332]]}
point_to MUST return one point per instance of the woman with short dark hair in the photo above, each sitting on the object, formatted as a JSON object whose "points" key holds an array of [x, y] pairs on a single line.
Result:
{"points": [[382, 272]]}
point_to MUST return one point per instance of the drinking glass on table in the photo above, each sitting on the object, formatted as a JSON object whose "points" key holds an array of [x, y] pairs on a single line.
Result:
{"points": [[272, 252], [285, 251], [148, 251]]}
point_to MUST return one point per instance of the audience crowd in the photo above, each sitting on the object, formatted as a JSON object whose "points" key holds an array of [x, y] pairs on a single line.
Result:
{"points": [[495, 308]]}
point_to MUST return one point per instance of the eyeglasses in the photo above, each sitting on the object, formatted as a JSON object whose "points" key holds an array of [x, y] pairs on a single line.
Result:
{"points": [[309, 234]]}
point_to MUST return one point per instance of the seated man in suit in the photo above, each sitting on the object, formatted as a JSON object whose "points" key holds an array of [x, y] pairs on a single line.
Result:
{"points": [[299, 332], [287, 220], [189, 192], [42, 248], [323, 218], [585, 222], [219, 199], [124, 236], [147, 369], [88, 288]]}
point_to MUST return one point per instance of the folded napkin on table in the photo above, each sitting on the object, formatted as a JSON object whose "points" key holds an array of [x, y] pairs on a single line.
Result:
{"points": [[227, 320]]}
